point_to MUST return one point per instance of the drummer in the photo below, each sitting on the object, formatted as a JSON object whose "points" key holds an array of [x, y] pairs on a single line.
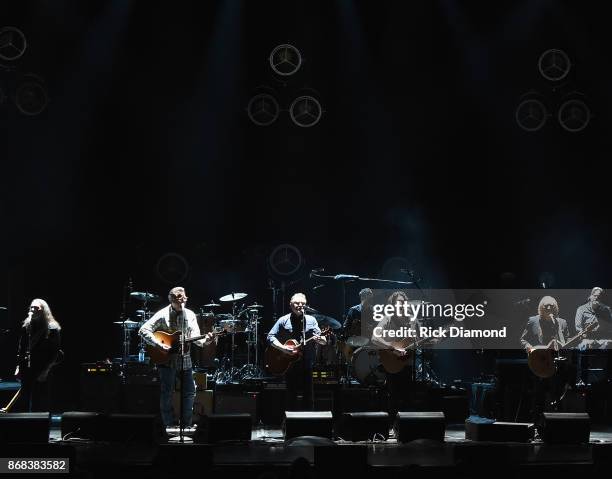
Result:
{"points": [[352, 324]]}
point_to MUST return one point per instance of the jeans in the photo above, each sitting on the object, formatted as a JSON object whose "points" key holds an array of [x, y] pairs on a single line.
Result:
{"points": [[167, 377]]}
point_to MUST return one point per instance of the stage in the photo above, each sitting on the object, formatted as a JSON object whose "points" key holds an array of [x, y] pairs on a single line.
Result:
{"points": [[267, 452]]}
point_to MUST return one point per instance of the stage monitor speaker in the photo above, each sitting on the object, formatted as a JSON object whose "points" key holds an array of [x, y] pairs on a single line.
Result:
{"points": [[224, 427], [364, 426], [481, 429], [409, 426], [82, 425], [566, 428], [24, 427], [308, 423]]}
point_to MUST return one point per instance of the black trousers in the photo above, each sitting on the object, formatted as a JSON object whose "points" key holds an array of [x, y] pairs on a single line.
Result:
{"points": [[34, 395], [399, 386], [299, 378]]}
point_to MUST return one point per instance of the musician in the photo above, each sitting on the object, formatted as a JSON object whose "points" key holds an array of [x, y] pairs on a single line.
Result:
{"points": [[598, 317], [175, 317], [352, 323], [540, 331], [599, 314], [38, 351], [545, 326], [398, 384], [299, 326]]}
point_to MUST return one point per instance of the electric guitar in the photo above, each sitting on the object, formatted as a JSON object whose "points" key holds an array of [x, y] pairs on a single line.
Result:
{"points": [[541, 359], [278, 362], [159, 355], [58, 359]]}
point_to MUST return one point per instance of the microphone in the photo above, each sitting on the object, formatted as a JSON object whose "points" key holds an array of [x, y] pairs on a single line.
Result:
{"points": [[318, 286]]}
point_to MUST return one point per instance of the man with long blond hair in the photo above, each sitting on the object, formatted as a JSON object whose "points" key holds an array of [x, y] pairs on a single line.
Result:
{"points": [[540, 330], [38, 351], [545, 326]]}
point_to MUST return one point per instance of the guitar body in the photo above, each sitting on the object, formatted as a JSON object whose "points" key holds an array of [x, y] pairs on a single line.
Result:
{"points": [[392, 362], [278, 362], [541, 362], [158, 355]]}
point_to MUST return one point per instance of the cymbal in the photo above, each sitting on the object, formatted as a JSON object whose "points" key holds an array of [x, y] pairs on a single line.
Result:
{"points": [[357, 341], [142, 296], [211, 305], [232, 297], [128, 323], [254, 305], [327, 321]]}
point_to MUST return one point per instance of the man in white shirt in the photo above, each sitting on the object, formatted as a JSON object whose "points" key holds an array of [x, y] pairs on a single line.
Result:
{"points": [[172, 318]]}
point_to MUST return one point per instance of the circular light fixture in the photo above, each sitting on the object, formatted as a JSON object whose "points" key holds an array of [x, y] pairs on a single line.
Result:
{"points": [[574, 115], [285, 260], [172, 268], [554, 65], [531, 114], [285, 60], [305, 111], [31, 98], [263, 109], [13, 44]]}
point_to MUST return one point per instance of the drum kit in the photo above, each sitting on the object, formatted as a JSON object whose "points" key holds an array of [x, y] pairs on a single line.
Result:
{"points": [[242, 326]]}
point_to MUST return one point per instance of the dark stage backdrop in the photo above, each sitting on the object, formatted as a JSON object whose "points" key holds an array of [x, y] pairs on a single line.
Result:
{"points": [[145, 148]]}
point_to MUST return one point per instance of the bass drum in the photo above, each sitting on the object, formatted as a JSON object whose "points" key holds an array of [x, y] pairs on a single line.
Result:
{"points": [[367, 368], [205, 357]]}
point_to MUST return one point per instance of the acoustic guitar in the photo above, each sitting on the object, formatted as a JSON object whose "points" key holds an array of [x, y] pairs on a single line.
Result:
{"points": [[541, 359], [159, 355], [278, 362], [392, 362]]}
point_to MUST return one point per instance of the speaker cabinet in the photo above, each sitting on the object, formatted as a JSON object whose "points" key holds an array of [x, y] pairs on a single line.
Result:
{"points": [[409, 426], [308, 423]]}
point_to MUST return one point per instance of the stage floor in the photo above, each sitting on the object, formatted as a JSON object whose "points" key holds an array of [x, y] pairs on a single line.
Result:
{"points": [[267, 450]]}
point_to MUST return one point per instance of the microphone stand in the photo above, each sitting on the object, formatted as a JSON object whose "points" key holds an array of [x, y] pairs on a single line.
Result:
{"points": [[181, 439], [345, 278]]}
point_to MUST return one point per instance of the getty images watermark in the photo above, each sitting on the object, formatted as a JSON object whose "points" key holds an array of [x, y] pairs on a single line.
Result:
{"points": [[477, 319]]}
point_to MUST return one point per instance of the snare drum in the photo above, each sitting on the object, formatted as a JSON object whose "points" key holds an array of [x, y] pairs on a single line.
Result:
{"points": [[367, 368]]}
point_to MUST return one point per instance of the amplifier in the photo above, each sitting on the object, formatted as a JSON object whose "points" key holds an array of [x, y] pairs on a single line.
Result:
{"points": [[231, 399], [100, 388]]}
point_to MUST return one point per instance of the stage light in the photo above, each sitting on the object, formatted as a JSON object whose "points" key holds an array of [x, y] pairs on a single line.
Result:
{"points": [[172, 268], [531, 114], [285, 260], [13, 44], [285, 60], [554, 65], [574, 115], [305, 111], [31, 97], [263, 109]]}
